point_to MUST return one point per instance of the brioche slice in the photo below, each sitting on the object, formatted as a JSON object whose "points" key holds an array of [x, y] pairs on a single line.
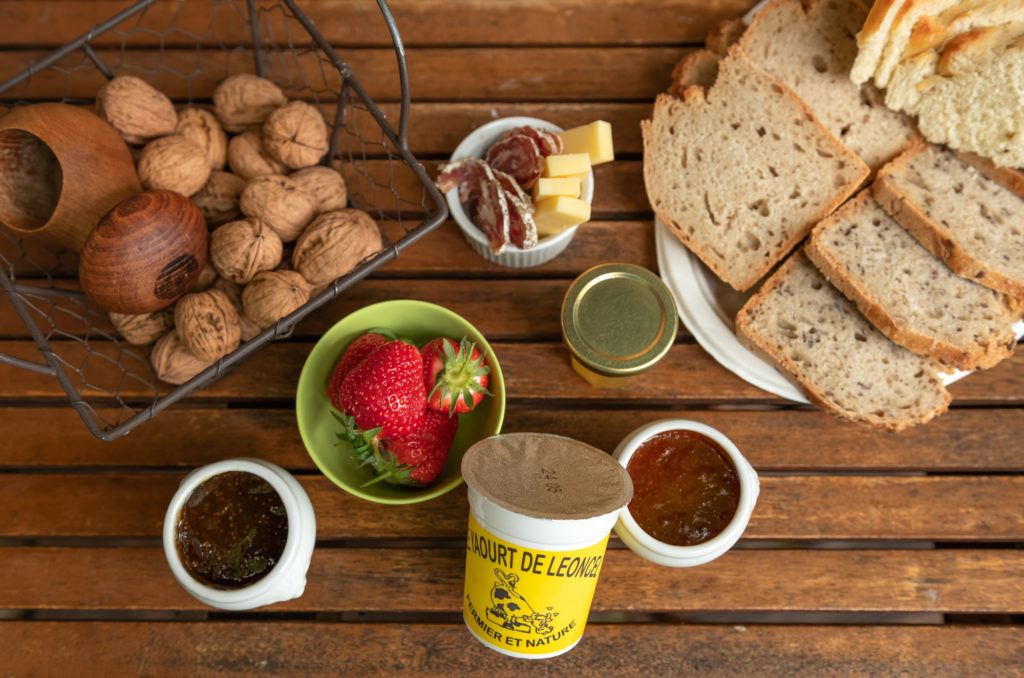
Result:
{"points": [[872, 38], [811, 49], [839, 360], [741, 171], [961, 216], [907, 292]]}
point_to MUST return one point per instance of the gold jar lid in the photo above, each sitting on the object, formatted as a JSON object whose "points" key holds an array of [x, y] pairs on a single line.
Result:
{"points": [[618, 319]]}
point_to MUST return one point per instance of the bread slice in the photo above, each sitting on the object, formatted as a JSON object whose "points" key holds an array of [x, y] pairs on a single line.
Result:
{"points": [[907, 292], [872, 38], [961, 216], [741, 171], [811, 48], [842, 363], [1010, 178]]}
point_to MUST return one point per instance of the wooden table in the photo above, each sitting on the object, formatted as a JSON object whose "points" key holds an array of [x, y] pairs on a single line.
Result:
{"points": [[868, 554]]}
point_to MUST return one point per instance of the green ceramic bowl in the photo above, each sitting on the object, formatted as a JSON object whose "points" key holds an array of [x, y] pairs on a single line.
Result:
{"points": [[419, 322]]}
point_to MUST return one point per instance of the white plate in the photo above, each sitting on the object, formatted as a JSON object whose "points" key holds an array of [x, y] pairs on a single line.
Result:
{"points": [[708, 308]]}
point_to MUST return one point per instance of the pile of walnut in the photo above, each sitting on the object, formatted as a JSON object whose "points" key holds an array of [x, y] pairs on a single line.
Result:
{"points": [[281, 230]]}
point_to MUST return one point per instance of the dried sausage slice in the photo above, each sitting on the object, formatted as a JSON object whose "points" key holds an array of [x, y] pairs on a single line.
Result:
{"points": [[518, 156], [548, 143], [522, 230], [484, 198]]}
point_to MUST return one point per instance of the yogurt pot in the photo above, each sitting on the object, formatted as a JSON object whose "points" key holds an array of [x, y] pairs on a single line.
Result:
{"points": [[286, 578], [636, 538], [541, 510]]}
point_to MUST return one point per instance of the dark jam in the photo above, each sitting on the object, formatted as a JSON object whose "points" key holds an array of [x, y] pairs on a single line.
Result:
{"points": [[685, 487], [232, 530]]}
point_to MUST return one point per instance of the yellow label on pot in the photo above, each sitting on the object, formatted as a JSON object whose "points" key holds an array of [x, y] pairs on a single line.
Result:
{"points": [[524, 601]]}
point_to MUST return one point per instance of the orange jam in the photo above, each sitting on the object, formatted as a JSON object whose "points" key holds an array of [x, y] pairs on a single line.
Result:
{"points": [[685, 487]]}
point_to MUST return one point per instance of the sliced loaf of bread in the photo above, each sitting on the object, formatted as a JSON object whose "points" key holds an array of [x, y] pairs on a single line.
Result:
{"points": [[907, 292], [975, 225], [819, 339], [742, 170], [811, 48]]}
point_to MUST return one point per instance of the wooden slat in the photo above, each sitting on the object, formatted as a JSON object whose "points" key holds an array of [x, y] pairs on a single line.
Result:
{"points": [[403, 580], [493, 74], [979, 441], [987, 508], [311, 649], [444, 251], [532, 372], [421, 22]]}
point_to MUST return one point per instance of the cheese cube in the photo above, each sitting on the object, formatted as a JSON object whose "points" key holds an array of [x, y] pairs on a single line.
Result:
{"points": [[554, 215], [567, 165], [547, 187], [594, 139]]}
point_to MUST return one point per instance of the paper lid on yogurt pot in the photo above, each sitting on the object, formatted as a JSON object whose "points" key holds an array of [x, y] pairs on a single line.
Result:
{"points": [[546, 476]]}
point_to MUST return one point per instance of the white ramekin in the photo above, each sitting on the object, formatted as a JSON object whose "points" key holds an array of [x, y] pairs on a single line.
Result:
{"points": [[287, 579], [475, 145], [633, 536]]}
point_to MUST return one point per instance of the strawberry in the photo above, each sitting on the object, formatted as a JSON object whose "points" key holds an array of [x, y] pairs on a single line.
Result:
{"points": [[455, 376], [409, 459], [386, 389], [361, 347]]}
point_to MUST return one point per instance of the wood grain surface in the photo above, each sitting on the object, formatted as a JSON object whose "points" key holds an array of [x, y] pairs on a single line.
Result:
{"points": [[868, 554]]}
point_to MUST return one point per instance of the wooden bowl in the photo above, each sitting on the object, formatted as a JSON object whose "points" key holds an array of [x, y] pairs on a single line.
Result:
{"points": [[63, 168], [144, 253]]}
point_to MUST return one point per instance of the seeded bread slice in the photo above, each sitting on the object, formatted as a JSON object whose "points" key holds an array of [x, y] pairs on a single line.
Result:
{"points": [[819, 339], [907, 292], [1008, 177], [961, 216], [811, 48], [742, 170]]}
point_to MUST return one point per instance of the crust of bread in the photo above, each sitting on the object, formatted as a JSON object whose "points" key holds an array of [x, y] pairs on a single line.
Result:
{"points": [[724, 34], [698, 68], [934, 235]]}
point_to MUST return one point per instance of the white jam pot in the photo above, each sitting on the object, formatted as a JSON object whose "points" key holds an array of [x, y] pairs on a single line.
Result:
{"points": [[633, 536], [287, 579]]}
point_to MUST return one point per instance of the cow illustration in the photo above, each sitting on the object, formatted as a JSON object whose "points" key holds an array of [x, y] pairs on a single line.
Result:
{"points": [[511, 611]]}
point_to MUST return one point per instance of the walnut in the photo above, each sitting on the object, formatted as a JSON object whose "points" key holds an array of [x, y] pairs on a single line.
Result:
{"points": [[245, 99], [334, 243], [218, 198], [206, 277], [248, 159], [241, 249], [172, 362], [136, 109], [280, 203], [296, 134], [326, 184], [142, 328], [272, 295], [202, 127], [174, 163], [233, 291], [207, 324]]}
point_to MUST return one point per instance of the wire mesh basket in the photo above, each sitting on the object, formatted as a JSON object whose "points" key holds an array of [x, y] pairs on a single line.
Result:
{"points": [[185, 49]]}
